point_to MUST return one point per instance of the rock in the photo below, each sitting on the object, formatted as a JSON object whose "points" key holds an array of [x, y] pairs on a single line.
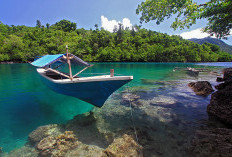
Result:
{"points": [[221, 104], [214, 142], [57, 146], [67, 145], [82, 120], [223, 85], [86, 150], [124, 146], [44, 131], [46, 146], [227, 74], [130, 97], [24, 151], [202, 88], [219, 79]]}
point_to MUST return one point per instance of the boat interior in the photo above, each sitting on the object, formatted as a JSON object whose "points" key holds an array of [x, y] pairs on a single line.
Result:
{"points": [[56, 76]]}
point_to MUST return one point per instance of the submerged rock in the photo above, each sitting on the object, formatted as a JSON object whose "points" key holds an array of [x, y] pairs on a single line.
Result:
{"points": [[86, 151], [130, 97], [124, 146], [214, 142], [67, 145], [24, 151], [44, 131], [57, 146], [202, 88]]}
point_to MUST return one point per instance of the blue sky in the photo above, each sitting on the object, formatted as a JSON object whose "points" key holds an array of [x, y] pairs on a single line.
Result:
{"points": [[86, 13]]}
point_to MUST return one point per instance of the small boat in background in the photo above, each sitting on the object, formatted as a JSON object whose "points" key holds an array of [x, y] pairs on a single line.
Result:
{"points": [[94, 90], [191, 71]]}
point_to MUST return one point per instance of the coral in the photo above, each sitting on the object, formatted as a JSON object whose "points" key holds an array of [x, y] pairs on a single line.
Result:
{"points": [[124, 147]]}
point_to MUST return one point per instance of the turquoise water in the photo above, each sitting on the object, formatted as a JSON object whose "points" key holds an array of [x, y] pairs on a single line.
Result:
{"points": [[26, 103]]}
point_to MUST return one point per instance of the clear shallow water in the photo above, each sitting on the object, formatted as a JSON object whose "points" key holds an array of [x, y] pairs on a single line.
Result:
{"points": [[26, 103]]}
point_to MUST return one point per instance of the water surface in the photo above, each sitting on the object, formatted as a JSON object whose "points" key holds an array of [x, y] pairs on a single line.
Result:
{"points": [[26, 103]]}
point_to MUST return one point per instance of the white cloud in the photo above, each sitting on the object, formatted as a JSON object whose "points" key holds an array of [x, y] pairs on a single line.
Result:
{"points": [[197, 33], [109, 25]]}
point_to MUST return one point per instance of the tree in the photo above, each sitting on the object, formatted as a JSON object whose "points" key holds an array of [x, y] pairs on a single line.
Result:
{"points": [[65, 25], [47, 25], [96, 26], [115, 29], [217, 12], [38, 24]]}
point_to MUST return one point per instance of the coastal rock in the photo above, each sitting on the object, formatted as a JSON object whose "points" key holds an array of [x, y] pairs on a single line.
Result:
{"points": [[223, 85], [44, 131], [219, 79], [124, 146], [221, 104], [202, 88], [215, 142], [227, 74]]}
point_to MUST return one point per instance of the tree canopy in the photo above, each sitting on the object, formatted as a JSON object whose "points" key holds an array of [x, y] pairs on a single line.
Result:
{"points": [[217, 12], [21, 43]]}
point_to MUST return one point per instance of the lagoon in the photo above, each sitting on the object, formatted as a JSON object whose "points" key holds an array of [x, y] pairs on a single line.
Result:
{"points": [[26, 103]]}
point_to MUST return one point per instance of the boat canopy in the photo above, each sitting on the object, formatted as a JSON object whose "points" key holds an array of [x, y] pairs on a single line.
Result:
{"points": [[50, 59]]}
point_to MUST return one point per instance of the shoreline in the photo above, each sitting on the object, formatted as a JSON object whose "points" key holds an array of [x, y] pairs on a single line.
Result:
{"points": [[16, 62]]}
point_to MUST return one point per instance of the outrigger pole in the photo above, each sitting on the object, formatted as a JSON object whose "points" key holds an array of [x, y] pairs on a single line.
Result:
{"points": [[69, 64]]}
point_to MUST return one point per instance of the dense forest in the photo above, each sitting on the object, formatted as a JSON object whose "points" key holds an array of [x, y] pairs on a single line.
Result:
{"points": [[22, 43]]}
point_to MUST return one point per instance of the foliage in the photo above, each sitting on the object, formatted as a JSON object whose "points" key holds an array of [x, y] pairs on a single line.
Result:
{"points": [[65, 25], [218, 13], [21, 43]]}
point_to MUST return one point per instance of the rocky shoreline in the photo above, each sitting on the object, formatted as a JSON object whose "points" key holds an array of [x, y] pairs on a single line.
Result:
{"points": [[162, 119], [215, 141]]}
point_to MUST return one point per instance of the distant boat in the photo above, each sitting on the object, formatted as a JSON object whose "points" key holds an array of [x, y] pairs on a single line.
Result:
{"points": [[94, 90]]}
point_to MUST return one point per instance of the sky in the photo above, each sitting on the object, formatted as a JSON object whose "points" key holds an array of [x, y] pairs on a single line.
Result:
{"points": [[87, 13]]}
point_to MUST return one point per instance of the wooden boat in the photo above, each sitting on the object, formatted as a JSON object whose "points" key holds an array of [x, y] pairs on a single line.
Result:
{"points": [[94, 90], [191, 71]]}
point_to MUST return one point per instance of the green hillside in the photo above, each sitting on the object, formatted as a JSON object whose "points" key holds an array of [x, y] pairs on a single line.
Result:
{"points": [[22, 43], [223, 46]]}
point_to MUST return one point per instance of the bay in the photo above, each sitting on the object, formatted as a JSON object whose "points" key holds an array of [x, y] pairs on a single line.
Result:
{"points": [[26, 103]]}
